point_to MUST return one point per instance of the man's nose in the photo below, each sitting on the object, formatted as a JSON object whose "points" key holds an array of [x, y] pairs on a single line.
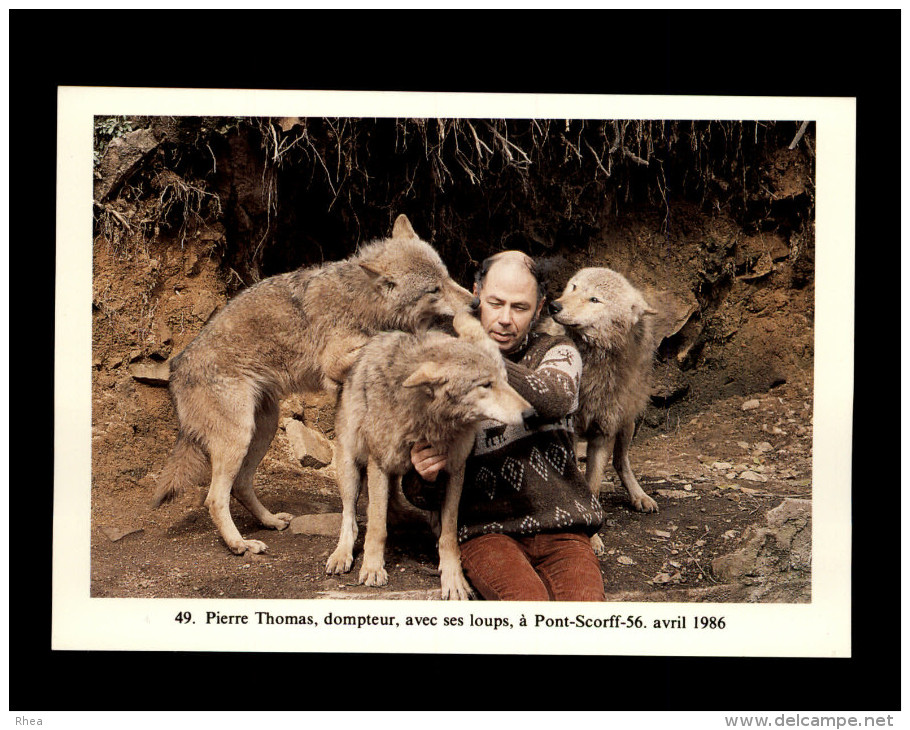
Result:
{"points": [[555, 307]]}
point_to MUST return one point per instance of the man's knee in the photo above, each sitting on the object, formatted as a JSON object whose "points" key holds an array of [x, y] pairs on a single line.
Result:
{"points": [[499, 569]]}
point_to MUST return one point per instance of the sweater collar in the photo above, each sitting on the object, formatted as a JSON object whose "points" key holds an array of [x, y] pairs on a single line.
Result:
{"points": [[519, 352]]}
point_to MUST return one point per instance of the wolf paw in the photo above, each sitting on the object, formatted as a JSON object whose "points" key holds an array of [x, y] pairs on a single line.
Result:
{"points": [[373, 576], [645, 504], [455, 588], [283, 519], [339, 562], [597, 544], [253, 546]]}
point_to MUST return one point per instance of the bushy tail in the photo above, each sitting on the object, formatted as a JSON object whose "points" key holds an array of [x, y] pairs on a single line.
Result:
{"points": [[186, 467]]}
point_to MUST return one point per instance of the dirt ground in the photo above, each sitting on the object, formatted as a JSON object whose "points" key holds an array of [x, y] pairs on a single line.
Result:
{"points": [[727, 438], [176, 552]]}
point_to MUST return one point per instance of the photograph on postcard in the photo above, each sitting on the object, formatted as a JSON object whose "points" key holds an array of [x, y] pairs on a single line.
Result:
{"points": [[518, 357]]}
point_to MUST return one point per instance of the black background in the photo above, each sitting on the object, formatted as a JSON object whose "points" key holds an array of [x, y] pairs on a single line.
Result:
{"points": [[763, 53]]}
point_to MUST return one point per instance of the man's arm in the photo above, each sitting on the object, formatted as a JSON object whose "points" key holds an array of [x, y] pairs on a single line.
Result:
{"points": [[552, 388]]}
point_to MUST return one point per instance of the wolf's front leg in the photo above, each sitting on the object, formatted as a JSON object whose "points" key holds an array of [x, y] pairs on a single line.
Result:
{"points": [[348, 476], [595, 466], [372, 572], [340, 355], [640, 500], [455, 586]]}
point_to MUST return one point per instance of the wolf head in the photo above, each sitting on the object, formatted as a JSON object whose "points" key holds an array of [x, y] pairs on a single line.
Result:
{"points": [[465, 385], [409, 279], [600, 306]]}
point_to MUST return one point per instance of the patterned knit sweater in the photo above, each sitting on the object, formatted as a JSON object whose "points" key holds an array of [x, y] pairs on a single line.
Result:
{"points": [[522, 480]]}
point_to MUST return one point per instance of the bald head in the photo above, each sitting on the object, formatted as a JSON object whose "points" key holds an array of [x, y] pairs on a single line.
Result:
{"points": [[514, 259]]}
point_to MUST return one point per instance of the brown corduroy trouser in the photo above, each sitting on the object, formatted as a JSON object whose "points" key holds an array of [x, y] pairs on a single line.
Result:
{"points": [[543, 567]]}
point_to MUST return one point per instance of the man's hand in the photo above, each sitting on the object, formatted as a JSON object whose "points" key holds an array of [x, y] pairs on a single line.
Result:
{"points": [[427, 460]]}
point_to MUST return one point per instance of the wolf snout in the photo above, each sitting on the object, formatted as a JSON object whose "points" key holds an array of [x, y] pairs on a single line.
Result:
{"points": [[554, 307]]}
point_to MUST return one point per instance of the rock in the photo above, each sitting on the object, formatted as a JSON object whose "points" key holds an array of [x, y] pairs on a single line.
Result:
{"points": [[121, 159], [761, 268], [286, 124], [309, 447], [116, 533], [151, 373], [624, 560], [675, 493], [431, 594], [722, 465], [750, 405], [753, 477], [780, 549], [320, 524], [762, 446], [190, 262]]}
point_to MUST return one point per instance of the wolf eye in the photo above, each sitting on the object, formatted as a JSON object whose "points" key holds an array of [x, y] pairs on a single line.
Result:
{"points": [[487, 385], [434, 290], [595, 300], [574, 287]]}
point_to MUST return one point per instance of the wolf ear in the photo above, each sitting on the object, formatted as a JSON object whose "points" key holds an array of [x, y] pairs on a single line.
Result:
{"points": [[377, 276], [640, 310], [403, 228], [429, 374]]}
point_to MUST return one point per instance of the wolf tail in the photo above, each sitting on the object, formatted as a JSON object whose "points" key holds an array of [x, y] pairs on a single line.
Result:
{"points": [[187, 466]]}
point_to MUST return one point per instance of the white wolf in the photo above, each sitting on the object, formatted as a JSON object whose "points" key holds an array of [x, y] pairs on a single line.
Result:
{"points": [[614, 328]]}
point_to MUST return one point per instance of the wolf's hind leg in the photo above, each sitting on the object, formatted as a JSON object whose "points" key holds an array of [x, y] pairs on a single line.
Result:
{"points": [[640, 501], [348, 475], [227, 461], [266, 425]]}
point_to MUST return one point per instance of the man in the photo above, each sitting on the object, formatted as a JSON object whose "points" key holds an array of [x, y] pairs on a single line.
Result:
{"points": [[526, 514]]}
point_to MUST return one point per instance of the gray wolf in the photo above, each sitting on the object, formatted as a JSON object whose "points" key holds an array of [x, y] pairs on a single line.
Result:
{"points": [[615, 330], [405, 388], [291, 332]]}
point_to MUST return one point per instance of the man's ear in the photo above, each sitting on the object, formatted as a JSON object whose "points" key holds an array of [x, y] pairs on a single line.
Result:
{"points": [[540, 304]]}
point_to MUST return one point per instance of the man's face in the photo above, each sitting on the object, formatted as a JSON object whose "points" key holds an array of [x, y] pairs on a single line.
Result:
{"points": [[508, 304]]}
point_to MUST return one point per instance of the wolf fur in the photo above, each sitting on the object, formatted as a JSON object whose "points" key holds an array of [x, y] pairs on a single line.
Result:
{"points": [[299, 331], [405, 388], [613, 326]]}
